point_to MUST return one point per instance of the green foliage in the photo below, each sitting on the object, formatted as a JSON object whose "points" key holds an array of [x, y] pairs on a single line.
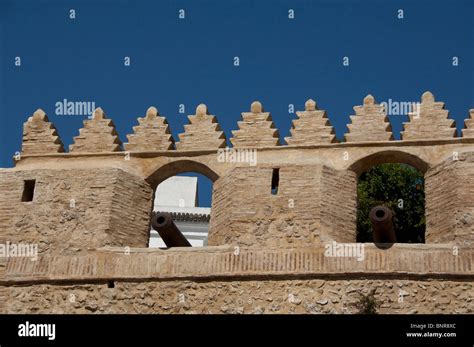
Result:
{"points": [[399, 187], [367, 304]]}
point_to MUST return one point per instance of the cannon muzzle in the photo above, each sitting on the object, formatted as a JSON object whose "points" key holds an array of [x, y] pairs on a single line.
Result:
{"points": [[169, 232], [382, 224]]}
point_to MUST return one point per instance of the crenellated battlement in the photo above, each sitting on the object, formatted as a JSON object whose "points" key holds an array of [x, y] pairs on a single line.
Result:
{"points": [[98, 135], [202, 132], [151, 134], [40, 135], [256, 129]]}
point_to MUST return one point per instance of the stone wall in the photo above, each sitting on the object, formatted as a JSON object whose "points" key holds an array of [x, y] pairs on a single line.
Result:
{"points": [[130, 214], [339, 204], [449, 193], [244, 296], [406, 279], [267, 250], [75, 210], [313, 204]]}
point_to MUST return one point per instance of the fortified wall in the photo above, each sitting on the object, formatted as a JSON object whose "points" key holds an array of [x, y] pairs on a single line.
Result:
{"points": [[88, 210]]}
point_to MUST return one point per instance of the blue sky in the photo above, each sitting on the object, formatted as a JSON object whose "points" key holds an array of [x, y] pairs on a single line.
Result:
{"points": [[190, 61]]}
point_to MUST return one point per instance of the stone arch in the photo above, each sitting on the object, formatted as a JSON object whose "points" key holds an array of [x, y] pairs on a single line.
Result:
{"points": [[179, 166], [388, 156]]}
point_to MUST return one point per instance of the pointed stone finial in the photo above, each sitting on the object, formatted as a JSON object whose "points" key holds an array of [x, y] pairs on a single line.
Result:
{"points": [[97, 135], [428, 120], [151, 113], [151, 134], [427, 97], [370, 123], [256, 107], [203, 132], [310, 105], [369, 100], [201, 110], [40, 115], [40, 135], [311, 128], [99, 113], [468, 130], [256, 129]]}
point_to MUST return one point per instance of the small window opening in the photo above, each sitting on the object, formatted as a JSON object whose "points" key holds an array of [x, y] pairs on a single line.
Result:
{"points": [[110, 284], [28, 191], [275, 181]]}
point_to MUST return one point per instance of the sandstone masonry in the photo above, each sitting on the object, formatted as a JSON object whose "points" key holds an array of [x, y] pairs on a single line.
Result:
{"points": [[89, 214]]}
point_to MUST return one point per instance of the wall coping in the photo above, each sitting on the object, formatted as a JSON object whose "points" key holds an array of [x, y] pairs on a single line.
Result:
{"points": [[191, 153], [207, 263]]}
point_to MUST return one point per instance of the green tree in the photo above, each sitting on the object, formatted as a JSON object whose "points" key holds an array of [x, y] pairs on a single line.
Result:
{"points": [[399, 187]]}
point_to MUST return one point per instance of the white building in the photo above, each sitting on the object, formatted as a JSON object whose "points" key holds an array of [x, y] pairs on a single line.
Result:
{"points": [[178, 195]]}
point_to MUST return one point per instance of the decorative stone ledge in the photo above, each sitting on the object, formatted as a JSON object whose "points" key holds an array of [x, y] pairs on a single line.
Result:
{"points": [[419, 261], [189, 217], [199, 152]]}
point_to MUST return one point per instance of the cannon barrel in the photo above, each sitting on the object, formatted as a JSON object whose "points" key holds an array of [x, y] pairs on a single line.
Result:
{"points": [[169, 232], [382, 224]]}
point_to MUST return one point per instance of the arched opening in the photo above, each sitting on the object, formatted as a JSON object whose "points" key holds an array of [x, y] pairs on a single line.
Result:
{"points": [[390, 156], [177, 167], [183, 191], [391, 204]]}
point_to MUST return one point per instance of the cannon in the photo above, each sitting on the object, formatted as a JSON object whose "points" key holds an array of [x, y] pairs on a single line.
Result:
{"points": [[383, 229], [169, 232]]}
